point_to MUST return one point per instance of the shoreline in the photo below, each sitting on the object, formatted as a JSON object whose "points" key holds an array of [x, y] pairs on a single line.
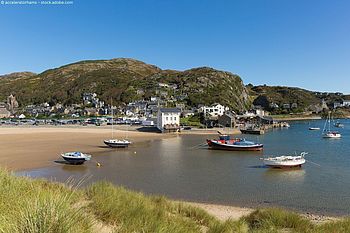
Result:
{"points": [[225, 212]]}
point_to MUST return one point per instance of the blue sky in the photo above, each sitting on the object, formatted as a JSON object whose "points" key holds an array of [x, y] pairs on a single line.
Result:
{"points": [[275, 42]]}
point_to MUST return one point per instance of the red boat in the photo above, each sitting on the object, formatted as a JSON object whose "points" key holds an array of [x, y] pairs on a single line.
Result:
{"points": [[237, 144]]}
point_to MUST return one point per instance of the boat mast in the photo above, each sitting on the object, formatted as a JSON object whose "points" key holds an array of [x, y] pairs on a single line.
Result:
{"points": [[325, 126], [112, 119]]}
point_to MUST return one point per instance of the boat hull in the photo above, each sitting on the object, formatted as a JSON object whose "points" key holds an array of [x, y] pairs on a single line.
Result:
{"points": [[311, 128], [332, 136], [284, 165], [116, 145], [74, 161], [220, 146]]}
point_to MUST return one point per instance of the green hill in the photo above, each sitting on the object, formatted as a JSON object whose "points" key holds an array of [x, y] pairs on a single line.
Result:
{"points": [[122, 79], [267, 95]]}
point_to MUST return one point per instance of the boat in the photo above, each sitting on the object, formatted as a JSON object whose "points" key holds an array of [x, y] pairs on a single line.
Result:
{"points": [[339, 125], [285, 125], [328, 133], [237, 144], [314, 128], [76, 158], [285, 161], [116, 143]]}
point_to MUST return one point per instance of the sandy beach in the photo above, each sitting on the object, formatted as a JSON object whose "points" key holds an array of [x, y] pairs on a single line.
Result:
{"points": [[24, 148]]}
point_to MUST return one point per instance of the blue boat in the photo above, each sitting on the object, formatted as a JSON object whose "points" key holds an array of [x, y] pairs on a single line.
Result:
{"points": [[237, 144], [76, 158]]}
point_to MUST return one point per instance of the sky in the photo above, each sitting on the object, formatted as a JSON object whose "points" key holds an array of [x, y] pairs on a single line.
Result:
{"points": [[275, 42]]}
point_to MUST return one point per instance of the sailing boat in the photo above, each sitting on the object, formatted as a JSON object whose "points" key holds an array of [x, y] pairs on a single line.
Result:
{"points": [[116, 143], [327, 133]]}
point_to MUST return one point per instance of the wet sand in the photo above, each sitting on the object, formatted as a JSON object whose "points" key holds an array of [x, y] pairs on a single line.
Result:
{"points": [[24, 148]]}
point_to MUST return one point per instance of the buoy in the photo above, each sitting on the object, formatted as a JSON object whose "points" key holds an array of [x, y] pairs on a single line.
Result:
{"points": [[98, 164], [134, 152]]}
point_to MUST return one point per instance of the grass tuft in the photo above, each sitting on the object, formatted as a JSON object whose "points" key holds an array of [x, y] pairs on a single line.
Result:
{"points": [[275, 218]]}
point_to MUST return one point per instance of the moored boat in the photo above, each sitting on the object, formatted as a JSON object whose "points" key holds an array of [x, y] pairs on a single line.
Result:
{"points": [[314, 128], [76, 157], [339, 125], [116, 143], [331, 134], [285, 161], [327, 133], [237, 144]]}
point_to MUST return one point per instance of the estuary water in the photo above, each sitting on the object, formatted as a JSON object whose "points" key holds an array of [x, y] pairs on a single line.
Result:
{"points": [[178, 168]]}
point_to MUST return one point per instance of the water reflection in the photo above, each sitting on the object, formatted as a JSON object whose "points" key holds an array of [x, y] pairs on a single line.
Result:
{"points": [[284, 175]]}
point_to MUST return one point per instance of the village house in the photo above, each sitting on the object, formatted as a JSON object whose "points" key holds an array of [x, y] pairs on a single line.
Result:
{"points": [[214, 111], [274, 105], [168, 119], [136, 108], [337, 105], [88, 98], [228, 119], [343, 103], [91, 98], [90, 112], [346, 103]]}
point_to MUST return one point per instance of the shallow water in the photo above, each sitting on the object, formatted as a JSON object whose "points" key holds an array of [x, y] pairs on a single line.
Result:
{"points": [[180, 169]]}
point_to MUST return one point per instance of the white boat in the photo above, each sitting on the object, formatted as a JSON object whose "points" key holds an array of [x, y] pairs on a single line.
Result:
{"points": [[328, 133], [116, 143], [339, 125], [285, 161], [314, 128], [76, 157]]}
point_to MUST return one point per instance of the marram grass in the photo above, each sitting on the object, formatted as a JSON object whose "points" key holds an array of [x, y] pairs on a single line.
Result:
{"points": [[39, 206]]}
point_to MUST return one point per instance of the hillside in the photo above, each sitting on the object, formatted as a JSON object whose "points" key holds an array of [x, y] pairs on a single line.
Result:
{"points": [[17, 75], [265, 96], [124, 80]]}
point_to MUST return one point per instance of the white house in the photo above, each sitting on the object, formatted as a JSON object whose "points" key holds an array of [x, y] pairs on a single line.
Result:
{"points": [[214, 110], [168, 119], [346, 103]]}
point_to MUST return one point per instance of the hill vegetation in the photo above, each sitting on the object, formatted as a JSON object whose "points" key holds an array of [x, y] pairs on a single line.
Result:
{"points": [[265, 96], [125, 80]]}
